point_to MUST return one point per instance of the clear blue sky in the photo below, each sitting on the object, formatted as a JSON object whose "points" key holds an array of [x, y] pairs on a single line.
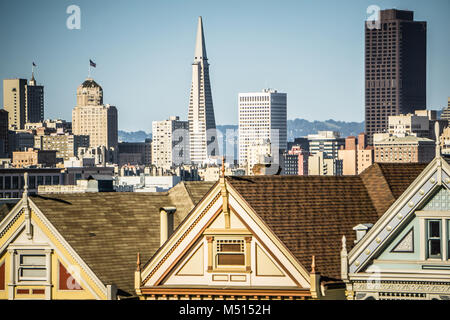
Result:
{"points": [[311, 49]]}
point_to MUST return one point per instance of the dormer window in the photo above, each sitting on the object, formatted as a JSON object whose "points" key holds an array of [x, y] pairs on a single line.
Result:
{"points": [[434, 239], [32, 266], [230, 253]]}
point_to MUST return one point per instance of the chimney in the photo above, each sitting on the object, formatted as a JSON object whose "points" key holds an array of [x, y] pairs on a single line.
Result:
{"points": [[361, 230], [166, 223]]}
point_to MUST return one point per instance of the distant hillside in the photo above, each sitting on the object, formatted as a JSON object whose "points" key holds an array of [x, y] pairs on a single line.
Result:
{"points": [[302, 127], [133, 136], [296, 128]]}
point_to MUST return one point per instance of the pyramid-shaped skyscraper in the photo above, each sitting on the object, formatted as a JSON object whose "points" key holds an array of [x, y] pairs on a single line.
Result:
{"points": [[202, 125]]}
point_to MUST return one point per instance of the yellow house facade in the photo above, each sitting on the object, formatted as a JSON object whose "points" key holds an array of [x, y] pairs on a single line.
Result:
{"points": [[83, 246]]}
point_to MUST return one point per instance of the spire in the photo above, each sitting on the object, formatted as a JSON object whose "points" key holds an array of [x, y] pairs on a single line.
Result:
{"points": [[436, 133], [222, 169], [313, 264], [200, 47], [344, 259]]}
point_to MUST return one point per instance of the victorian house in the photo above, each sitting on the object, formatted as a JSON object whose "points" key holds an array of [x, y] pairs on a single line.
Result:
{"points": [[83, 246], [406, 253], [270, 237]]}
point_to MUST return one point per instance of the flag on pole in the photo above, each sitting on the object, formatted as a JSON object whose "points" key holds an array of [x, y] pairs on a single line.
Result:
{"points": [[92, 64], [34, 65]]}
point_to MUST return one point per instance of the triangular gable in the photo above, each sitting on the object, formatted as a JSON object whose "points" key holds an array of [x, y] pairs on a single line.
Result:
{"points": [[204, 241], [27, 228], [398, 216]]}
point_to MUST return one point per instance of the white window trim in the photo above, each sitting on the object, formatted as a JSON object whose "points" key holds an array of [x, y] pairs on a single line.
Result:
{"points": [[444, 217], [15, 251]]}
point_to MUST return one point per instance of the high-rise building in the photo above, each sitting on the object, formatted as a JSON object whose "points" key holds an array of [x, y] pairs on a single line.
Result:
{"points": [[328, 142], [202, 124], [170, 142], [65, 144], [395, 68], [14, 101], [4, 139], [320, 164], [262, 117], [98, 121], [356, 156], [446, 111], [35, 101], [135, 153], [404, 149], [296, 161]]}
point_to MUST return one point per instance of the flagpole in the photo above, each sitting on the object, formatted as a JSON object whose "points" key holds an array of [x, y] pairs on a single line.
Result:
{"points": [[89, 75]]}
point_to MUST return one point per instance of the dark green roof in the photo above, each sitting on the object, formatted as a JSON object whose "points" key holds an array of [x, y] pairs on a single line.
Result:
{"points": [[90, 83]]}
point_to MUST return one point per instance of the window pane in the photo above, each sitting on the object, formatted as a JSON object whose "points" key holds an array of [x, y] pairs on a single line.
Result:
{"points": [[231, 259], [230, 247], [33, 273], [32, 260], [435, 229], [435, 248], [15, 182]]}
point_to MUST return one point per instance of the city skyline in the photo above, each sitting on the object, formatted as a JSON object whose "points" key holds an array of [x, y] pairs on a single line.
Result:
{"points": [[248, 47]]}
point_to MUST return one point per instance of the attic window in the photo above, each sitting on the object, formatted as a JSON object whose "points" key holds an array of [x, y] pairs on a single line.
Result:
{"points": [[434, 239], [230, 253], [32, 267]]}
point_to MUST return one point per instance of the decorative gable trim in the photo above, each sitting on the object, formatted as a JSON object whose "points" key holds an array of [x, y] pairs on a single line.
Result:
{"points": [[406, 244], [73, 254], [436, 174], [180, 239], [185, 228], [191, 229]]}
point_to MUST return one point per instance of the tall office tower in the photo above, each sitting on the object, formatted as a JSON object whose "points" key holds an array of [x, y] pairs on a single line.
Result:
{"points": [[4, 133], [98, 121], [170, 145], [14, 101], [262, 117], [445, 115], [202, 124], [395, 68], [34, 101]]}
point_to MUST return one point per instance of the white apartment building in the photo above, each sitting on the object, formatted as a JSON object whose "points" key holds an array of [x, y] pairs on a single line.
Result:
{"points": [[262, 117], [170, 144], [258, 154], [418, 124]]}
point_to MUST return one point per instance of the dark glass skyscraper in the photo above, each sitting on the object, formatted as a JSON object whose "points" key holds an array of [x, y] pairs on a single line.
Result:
{"points": [[395, 68]]}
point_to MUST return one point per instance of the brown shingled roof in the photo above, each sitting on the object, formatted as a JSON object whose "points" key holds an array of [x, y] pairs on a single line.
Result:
{"points": [[385, 182], [107, 230], [310, 214]]}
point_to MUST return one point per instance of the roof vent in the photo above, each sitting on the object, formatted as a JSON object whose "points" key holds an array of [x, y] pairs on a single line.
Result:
{"points": [[361, 230]]}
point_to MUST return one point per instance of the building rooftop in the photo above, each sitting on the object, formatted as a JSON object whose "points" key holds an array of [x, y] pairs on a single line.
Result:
{"points": [[310, 214], [108, 229]]}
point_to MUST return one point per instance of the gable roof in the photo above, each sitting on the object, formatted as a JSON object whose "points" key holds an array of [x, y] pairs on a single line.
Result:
{"points": [[108, 229], [310, 214], [385, 182], [433, 177]]}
